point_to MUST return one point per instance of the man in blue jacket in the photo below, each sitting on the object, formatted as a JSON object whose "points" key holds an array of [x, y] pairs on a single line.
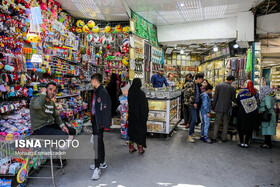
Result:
{"points": [[101, 120], [158, 79]]}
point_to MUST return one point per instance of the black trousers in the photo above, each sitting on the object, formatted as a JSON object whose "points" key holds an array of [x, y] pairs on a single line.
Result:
{"points": [[99, 147], [187, 114], [53, 130], [247, 134], [267, 140]]}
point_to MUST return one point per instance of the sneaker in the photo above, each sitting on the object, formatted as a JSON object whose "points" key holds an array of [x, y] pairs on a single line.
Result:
{"points": [[96, 174], [202, 138], [195, 137], [102, 166], [246, 145], [190, 139], [207, 140]]}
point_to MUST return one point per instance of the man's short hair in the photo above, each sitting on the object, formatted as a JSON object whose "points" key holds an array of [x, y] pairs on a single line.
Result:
{"points": [[209, 87], [189, 76], [51, 83], [98, 77], [199, 76], [230, 78]]}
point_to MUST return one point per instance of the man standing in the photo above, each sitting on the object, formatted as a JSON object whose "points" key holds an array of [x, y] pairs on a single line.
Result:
{"points": [[45, 119], [224, 96], [101, 120], [186, 109], [158, 79], [192, 100]]}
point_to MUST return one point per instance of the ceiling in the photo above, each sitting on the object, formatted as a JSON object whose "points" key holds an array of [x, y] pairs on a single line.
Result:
{"points": [[109, 10], [166, 12]]}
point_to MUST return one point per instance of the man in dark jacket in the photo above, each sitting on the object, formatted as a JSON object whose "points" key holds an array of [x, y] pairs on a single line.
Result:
{"points": [[101, 120], [225, 94], [192, 99]]}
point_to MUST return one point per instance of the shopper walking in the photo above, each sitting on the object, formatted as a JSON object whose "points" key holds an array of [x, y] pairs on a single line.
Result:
{"points": [[138, 111], [225, 94], [247, 120], [187, 109], [205, 113], [113, 91], [203, 85], [192, 100], [267, 97], [101, 120]]}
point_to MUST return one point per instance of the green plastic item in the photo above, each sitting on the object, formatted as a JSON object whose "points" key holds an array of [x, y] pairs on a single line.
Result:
{"points": [[249, 64]]}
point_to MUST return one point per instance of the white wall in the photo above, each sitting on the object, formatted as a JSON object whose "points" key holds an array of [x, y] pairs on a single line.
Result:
{"points": [[245, 26], [268, 24], [203, 30]]}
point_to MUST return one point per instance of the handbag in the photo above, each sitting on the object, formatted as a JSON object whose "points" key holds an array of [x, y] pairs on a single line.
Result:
{"points": [[266, 116]]}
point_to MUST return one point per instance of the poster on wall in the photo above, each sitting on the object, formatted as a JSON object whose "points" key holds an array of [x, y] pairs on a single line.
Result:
{"points": [[145, 29]]}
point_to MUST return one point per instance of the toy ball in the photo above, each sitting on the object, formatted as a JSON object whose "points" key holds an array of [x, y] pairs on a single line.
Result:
{"points": [[103, 40], [95, 29], [80, 23], [125, 61], [108, 29], [79, 30], [110, 40], [85, 29], [126, 29], [118, 28], [89, 37], [95, 37], [91, 24], [73, 29], [125, 50], [125, 42]]}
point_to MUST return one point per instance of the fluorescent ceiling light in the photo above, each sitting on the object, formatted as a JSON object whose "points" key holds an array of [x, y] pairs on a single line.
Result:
{"points": [[201, 49], [182, 4], [182, 51]]}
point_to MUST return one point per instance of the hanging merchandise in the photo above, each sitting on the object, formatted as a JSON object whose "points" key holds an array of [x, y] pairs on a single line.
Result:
{"points": [[108, 29], [249, 64], [95, 29], [91, 24]]}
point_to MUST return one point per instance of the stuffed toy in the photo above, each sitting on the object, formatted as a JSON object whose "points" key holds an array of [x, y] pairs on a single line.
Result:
{"points": [[12, 92]]}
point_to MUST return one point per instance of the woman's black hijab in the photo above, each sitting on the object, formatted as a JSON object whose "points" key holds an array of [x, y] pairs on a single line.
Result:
{"points": [[112, 91]]}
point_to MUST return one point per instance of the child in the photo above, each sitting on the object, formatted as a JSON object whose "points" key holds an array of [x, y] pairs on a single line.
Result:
{"points": [[205, 113], [123, 108]]}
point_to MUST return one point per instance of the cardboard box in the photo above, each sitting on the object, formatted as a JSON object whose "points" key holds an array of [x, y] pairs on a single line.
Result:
{"points": [[117, 121]]}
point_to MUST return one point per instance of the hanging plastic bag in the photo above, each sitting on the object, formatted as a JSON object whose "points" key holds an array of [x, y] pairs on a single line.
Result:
{"points": [[35, 20]]}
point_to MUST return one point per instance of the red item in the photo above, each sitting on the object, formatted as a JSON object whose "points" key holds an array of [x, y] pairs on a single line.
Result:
{"points": [[250, 86], [17, 87]]}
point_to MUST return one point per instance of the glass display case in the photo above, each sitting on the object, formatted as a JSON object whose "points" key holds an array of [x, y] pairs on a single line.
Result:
{"points": [[164, 111]]}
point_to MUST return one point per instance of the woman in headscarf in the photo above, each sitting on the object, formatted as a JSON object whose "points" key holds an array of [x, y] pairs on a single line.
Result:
{"points": [[267, 97], [247, 120], [138, 110], [112, 89]]}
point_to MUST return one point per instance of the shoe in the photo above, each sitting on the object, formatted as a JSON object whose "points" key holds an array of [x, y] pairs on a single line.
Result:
{"points": [[102, 166], [214, 141], [242, 145], [132, 148], [190, 139], [96, 174], [141, 150], [195, 137], [246, 145], [188, 126], [202, 138], [183, 124], [207, 140]]}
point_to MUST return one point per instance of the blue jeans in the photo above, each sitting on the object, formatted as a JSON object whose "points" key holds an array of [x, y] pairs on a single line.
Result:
{"points": [[193, 120], [205, 125]]}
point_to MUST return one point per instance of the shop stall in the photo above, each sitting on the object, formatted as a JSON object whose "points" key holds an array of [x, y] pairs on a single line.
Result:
{"points": [[164, 110]]}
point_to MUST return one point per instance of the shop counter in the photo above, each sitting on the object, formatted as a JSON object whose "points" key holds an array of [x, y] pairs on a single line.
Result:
{"points": [[164, 111]]}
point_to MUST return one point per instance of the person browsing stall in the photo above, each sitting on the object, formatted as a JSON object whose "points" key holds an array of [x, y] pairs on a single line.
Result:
{"points": [[45, 119], [158, 79]]}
